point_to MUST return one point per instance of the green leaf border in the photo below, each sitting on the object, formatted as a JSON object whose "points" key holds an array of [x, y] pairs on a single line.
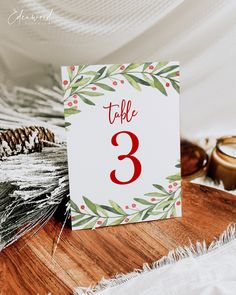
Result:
{"points": [[161, 204], [83, 85]]}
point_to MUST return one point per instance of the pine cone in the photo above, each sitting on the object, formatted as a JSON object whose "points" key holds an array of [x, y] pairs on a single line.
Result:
{"points": [[24, 140]]}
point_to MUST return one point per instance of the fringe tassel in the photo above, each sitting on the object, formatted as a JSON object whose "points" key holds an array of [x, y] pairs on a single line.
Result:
{"points": [[174, 256]]}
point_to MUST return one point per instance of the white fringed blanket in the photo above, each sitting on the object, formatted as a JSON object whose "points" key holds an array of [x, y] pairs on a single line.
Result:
{"points": [[199, 271]]}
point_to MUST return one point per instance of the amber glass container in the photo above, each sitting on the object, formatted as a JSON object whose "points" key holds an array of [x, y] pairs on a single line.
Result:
{"points": [[194, 160], [222, 168]]}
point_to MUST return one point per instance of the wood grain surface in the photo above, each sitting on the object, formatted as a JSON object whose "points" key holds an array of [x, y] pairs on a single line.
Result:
{"points": [[84, 257]]}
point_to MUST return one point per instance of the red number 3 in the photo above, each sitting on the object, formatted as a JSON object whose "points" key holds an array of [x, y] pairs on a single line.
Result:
{"points": [[136, 162]]}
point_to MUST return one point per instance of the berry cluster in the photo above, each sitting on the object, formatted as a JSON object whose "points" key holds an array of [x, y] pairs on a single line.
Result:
{"points": [[132, 206], [172, 187], [73, 101]]}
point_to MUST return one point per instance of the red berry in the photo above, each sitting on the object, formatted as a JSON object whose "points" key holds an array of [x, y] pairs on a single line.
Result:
{"points": [[122, 81], [114, 83], [99, 222], [151, 67], [72, 68], [177, 73], [75, 95], [122, 68], [153, 199], [133, 205], [170, 191], [126, 219], [94, 88], [178, 203], [65, 82], [175, 184], [75, 101], [70, 104], [82, 207], [167, 84], [170, 186], [126, 207]]}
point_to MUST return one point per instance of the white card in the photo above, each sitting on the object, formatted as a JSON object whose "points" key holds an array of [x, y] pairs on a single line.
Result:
{"points": [[123, 142]]}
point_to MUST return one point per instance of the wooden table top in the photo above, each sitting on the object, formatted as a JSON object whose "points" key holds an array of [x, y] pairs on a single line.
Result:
{"points": [[84, 257]]}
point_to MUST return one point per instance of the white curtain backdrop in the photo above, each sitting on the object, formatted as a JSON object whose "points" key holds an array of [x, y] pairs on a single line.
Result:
{"points": [[200, 34]]}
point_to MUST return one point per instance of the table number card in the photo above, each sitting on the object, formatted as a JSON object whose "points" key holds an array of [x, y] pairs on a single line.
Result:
{"points": [[123, 142]]}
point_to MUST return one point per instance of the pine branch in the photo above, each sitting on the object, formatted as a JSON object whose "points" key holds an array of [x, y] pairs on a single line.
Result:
{"points": [[32, 186]]}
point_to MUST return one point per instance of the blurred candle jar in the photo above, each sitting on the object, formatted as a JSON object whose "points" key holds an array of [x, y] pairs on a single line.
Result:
{"points": [[222, 166]]}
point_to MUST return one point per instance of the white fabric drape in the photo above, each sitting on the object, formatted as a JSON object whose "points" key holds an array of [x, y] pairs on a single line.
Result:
{"points": [[212, 274], [200, 34], [193, 270]]}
